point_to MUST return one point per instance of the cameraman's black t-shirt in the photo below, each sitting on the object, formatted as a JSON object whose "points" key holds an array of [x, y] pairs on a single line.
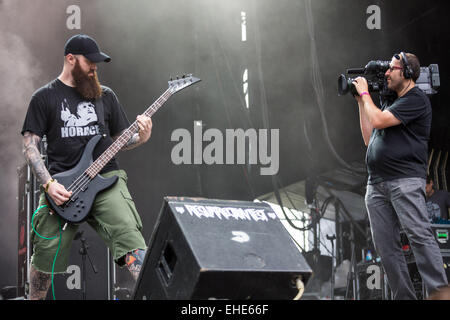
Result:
{"points": [[401, 151], [69, 122]]}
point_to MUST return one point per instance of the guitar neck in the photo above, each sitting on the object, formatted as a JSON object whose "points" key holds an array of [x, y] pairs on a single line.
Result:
{"points": [[123, 139]]}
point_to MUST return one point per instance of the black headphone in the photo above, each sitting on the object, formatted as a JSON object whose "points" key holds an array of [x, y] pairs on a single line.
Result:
{"points": [[407, 71]]}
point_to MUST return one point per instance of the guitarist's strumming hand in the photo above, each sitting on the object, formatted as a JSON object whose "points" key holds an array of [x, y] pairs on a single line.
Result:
{"points": [[145, 128], [57, 192]]}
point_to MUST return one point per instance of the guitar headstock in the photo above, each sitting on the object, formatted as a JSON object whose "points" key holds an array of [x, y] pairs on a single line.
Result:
{"points": [[183, 82]]}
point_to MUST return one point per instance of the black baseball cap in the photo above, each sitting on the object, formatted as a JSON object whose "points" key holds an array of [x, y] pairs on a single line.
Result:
{"points": [[88, 47]]}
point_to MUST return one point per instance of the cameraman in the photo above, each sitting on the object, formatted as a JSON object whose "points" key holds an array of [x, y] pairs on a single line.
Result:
{"points": [[397, 138]]}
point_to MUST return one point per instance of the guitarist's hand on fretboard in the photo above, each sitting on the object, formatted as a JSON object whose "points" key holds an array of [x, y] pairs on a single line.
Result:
{"points": [[145, 127], [58, 192]]}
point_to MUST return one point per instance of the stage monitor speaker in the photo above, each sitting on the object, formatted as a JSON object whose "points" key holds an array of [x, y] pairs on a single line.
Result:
{"points": [[217, 249]]}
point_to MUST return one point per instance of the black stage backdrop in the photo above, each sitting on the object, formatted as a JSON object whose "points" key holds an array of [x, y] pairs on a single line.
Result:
{"points": [[290, 61]]}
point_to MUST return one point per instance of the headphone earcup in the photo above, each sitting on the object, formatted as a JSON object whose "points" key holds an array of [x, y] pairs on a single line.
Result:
{"points": [[407, 72]]}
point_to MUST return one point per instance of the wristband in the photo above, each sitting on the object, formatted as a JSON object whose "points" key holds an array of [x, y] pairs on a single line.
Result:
{"points": [[363, 93], [48, 184]]}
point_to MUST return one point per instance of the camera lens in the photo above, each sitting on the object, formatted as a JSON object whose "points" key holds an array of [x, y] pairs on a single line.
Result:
{"points": [[343, 85]]}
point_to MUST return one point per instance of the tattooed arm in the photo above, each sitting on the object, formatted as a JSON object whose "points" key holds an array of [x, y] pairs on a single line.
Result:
{"points": [[39, 281], [132, 143], [31, 152], [33, 157], [145, 131]]}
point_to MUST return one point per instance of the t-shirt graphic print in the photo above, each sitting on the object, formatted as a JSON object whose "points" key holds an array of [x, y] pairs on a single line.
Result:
{"points": [[82, 124]]}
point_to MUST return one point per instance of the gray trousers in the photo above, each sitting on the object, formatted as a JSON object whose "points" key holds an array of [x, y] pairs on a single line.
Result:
{"points": [[396, 204]]}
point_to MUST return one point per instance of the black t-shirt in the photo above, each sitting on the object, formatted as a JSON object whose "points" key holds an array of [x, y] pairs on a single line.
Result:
{"points": [[69, 122], [401, 151], [438, 204]]}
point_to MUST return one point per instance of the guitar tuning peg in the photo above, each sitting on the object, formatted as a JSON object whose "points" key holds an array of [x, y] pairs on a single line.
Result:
{"points": [[184, 76], [178, 77]]}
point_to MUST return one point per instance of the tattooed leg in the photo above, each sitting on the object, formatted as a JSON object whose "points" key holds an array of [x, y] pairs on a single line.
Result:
{"points": [[134, 261], [39, 284]]}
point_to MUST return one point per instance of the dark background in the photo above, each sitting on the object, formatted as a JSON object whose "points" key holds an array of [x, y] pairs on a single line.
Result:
{"points": [[151, 41]]}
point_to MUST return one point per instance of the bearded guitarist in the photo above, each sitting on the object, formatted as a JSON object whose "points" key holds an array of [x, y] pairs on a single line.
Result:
{"points": [[70, 110]]}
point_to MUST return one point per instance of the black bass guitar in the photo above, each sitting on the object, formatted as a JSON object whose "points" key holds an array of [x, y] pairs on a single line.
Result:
{"points": [[84, 181]]}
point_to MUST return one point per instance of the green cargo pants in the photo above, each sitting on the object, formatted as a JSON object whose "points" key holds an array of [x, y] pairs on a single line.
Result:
{"points": [[113, 216]]}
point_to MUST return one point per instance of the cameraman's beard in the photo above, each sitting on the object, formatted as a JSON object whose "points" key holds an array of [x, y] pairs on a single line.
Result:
{"points": [[88, 87], [393, 86], [396, 85]]}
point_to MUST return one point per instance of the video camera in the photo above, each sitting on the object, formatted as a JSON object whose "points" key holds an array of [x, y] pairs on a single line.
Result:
{"points": [[374, 71]]}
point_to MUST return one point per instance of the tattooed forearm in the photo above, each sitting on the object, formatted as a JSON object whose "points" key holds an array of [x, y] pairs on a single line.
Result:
{"points": [[33, 157], [132, 143]]}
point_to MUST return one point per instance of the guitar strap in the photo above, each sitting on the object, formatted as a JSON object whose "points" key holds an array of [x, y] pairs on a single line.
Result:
{"points": [[100, 116]]}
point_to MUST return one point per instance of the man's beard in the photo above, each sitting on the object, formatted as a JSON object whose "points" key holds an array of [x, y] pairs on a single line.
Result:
{"points": [[394, 86], [87, 86]]}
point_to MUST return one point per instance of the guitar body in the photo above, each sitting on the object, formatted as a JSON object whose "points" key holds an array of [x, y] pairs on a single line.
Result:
{"points": [[78, 207]]}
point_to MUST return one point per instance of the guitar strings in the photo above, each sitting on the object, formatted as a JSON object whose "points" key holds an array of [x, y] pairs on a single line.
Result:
{"points": [[85, 178]]}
